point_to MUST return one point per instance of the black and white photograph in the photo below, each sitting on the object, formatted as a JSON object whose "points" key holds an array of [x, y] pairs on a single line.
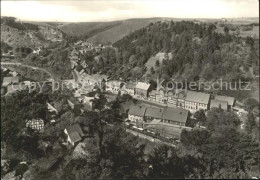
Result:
{"points": [[129, 89]]}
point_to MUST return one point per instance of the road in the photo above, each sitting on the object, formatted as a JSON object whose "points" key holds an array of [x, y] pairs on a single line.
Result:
{"points": [[33, 67], [149, 138]]}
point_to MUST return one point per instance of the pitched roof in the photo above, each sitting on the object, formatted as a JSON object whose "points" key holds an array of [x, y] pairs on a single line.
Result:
{"points": [[75, 132], [228, 99], [137, 110], [154, 112], [198, 97], [142, 85], [115, 83], [130, 85], [175, 114], [13, 88], [217, 103]]}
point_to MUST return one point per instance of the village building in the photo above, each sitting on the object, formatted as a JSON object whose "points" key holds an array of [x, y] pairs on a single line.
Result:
{"points": [[160, 97], [196, 101], [130, 88], [114, 86], [153, 113], [141, 89], [74, 134], [152, 95], [229, 100], [10, 80], [175, 116], [87, 101], [136, 115], [36, 124], [219, 104], [15, 87]]}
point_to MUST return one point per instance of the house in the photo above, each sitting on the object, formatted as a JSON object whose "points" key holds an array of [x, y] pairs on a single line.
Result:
{"points": [[229, 100], [14, 88], [141, 89], [114, 86], [74, 134], [171, 100], [36, 124], [179, 98], [136, 115], [160, 97], [195, 101], [152, 113], [86, 100], [219, 104], [74, 104], [10, 80], [130, 88], [175, 116], [152, 95]]}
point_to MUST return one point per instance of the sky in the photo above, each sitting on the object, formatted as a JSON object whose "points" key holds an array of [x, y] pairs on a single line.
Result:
{"points": [[100, 10]]}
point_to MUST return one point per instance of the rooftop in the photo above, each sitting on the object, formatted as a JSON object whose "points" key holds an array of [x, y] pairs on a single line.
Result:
{"points": [[175, 114], [75, 132], [217, 104], [142, 85], [137, 110], [154, 112], [198, 97], [229, 100], [130, 85]]}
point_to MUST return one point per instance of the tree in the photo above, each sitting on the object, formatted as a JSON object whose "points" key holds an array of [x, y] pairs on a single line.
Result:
{"points": [[226, 30], [157, 63], [164, 163], [200, 116], [152, 71], [250, 123]]}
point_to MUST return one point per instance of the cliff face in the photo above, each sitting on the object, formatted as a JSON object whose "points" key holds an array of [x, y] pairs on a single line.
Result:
{"points": [[23, 35]]}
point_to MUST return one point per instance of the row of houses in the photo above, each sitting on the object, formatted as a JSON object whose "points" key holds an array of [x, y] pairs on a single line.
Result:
{"points": [[182, 98]]}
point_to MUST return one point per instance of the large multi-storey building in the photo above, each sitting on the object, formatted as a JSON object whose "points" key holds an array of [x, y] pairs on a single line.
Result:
{"points": [[195, 101]]}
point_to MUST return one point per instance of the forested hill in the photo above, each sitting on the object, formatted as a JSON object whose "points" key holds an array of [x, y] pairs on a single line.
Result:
{"points": [[198, 52]]}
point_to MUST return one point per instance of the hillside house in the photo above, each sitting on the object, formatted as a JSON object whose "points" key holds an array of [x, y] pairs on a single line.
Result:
{"points": [[219, 104], [195, 101], [10, 80], [153, 113], [175, 116], [36, 124], [74, 133], [230, 101], [136, 115], [141, 89], [14, 88]]}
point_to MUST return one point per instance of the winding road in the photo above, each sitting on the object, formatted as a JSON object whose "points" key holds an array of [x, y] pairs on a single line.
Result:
{"points": [[29, 66]]}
